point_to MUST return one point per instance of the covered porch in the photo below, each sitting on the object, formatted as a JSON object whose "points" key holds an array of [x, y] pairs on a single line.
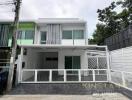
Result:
{"points": [[63, 64]]}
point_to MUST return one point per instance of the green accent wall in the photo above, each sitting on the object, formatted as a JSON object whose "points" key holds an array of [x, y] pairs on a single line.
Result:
{"points": [[26, 26]]}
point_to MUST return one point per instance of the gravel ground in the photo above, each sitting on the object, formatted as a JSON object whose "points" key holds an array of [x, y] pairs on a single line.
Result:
{"points": [[105, 96]]}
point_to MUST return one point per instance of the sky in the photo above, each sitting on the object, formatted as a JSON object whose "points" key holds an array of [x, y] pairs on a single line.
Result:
{"points": [[33, 9]]}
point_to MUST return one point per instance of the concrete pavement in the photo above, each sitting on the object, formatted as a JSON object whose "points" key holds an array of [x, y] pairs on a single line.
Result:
{"points": [[105, 96]]}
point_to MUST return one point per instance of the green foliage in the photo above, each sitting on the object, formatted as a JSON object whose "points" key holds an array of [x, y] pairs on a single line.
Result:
{"points": [[110, 22]]}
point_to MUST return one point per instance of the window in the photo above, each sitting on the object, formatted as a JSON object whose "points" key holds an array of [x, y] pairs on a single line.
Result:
{"points": [[67, 34], [72, 62], [78, 34], [73, 34], [25, 34], [43, 37], [28, 34], [19, 34]]}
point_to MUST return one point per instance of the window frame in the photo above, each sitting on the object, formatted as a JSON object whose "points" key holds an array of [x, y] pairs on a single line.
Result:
{"points": [[72, 30], [43, 42], [72, 65], [22, 35], [78, 30], [71, 34]]}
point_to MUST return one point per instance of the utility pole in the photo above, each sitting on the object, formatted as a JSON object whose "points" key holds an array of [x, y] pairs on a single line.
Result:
{"points": [[14, 45]]}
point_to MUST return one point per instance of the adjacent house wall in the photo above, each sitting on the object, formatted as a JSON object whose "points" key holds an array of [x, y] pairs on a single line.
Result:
{"points": [[23, 26], [4, 34]]}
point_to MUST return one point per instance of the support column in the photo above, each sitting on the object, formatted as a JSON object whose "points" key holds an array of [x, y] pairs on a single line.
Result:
{"points": [[108, 64], [19, 67]]}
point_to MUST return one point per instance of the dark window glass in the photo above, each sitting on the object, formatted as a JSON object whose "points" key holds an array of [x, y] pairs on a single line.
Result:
{"points": [[19, 34], [29, 34], [76, 62], [25, 34], [67, 34], [68, 62], [43, 37], [78, 34], [72, 62]]}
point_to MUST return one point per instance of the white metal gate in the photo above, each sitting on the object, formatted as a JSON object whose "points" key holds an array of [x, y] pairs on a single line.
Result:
{"points": [[63, 75]]}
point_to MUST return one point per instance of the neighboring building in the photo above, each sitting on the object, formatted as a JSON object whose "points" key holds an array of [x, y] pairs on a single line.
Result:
{"points": [[56, 50], [4, 33], [120, 40]]}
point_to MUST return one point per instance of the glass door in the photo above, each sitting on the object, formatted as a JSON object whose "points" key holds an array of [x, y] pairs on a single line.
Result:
{"points": [[72, 62]]}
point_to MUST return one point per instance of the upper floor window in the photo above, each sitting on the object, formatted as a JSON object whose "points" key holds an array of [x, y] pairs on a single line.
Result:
{"points": [[25, 34], [43, 37], [73, 34], [67, 34], [78, 34]]}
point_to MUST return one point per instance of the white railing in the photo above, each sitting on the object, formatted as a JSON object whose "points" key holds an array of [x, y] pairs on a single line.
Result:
{"points": [[122, 78], [63, 75]]}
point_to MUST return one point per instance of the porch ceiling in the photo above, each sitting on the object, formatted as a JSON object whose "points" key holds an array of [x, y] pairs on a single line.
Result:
{"points": [[53, 46]]}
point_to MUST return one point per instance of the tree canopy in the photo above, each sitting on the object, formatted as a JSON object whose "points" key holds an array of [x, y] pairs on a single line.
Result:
{"points": [[111, 22]]}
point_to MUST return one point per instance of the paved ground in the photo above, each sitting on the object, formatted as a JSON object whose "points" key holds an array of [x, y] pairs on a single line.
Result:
{"points": [[76, 91], [106, 96], [64, 89]]}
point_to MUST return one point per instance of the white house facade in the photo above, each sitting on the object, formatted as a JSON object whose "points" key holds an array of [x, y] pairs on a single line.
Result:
{"points": [[60, 53]]}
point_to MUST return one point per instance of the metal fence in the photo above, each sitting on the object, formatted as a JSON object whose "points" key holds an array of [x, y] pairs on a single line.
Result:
{"points": [[122, 78], [120, 40], [63, 75]]}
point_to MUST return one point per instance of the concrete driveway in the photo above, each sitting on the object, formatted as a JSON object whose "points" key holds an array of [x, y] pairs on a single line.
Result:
{"points": [[106, 96]]}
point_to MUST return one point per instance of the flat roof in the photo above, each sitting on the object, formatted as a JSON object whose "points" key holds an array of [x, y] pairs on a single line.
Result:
{"points": [[47, 20], [60, 20]]}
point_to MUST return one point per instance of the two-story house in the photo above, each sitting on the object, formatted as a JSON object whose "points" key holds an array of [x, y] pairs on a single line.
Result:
{"points": [[56, 50]]}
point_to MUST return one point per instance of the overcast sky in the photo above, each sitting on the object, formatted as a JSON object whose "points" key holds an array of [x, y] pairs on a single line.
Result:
{"points": [[84, 9]]}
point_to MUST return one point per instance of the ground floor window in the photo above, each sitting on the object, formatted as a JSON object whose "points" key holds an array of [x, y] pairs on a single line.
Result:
{"points": [[72, 62]]}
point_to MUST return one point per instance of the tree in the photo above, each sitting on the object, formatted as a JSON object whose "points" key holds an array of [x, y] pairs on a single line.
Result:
{"points": [[126, 15], [107, 26], [111, 22]]}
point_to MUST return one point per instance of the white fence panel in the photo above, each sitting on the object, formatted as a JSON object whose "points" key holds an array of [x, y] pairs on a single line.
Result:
{"points": [[63, 75], [121, 59], [121, 65]]}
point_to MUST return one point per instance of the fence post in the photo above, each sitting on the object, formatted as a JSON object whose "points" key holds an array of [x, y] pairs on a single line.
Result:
{"points": [[36, 76], [123, 79], [50, 76], [20, 66], [93, 75], [79, 75], [64, 75], [108, 64]]}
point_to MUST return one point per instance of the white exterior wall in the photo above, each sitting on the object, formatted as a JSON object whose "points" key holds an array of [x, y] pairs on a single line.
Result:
{"points": [[35, 59], [63, 53], [121, 59], [31, 62], [76, 26], [72, 26]]}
